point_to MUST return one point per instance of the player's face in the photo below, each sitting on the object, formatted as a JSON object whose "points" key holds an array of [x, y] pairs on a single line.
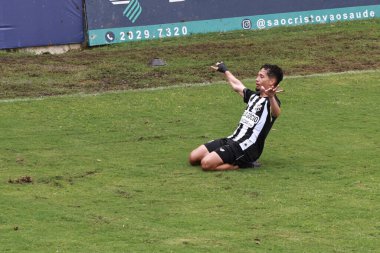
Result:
{"points": [[263, 79]]}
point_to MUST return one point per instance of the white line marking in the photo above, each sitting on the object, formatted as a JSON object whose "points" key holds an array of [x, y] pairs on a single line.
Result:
{"points": [[119, 2], [334, 73], [13, 100]]}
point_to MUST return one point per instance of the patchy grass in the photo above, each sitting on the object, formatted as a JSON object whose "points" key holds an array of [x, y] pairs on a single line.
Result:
{"points": [[109, 173], [299, 50]]}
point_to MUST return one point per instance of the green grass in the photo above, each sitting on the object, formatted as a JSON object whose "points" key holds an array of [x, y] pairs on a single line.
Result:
{"points": [[299, 50], [110, 172]]}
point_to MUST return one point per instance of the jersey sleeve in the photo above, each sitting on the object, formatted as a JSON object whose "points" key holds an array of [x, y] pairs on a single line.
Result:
{"points": [[247, 94]]}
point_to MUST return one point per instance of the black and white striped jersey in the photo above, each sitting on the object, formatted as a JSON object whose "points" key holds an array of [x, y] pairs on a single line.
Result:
{"points": [[255, 122]]}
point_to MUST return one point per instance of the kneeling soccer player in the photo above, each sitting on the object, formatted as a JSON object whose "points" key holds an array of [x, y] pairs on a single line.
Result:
{"points": [[245, 145]]}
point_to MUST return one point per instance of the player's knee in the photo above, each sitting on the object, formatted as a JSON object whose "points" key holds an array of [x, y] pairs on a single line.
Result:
{"points": [[193, 160], [197, 155], [207, 164]]}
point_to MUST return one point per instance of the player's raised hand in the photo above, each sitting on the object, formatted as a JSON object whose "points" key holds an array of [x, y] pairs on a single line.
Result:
{"points": [[220, 66], [270, 92]]}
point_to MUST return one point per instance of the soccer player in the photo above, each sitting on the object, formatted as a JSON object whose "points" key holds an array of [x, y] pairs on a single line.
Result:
{"points": [[245, 145]]}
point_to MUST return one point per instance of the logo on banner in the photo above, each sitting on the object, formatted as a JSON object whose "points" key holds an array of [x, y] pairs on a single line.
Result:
{"points": [[133, 10], [110, 36], [246, 24]]}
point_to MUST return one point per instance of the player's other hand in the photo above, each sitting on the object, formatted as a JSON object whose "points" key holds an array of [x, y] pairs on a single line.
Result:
{"points": [[220, 66], [270, 92]]}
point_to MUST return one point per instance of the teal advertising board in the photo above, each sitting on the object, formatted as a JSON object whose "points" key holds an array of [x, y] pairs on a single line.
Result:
{"points": [[118, 21]]}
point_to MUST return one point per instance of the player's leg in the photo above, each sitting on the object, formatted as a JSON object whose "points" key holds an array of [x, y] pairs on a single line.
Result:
{"points": [[227, 166], [198, 154], [213, 161]]}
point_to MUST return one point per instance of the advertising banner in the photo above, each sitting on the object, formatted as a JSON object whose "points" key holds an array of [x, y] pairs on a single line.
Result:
{"points": [[26, 23], [116, 21]]}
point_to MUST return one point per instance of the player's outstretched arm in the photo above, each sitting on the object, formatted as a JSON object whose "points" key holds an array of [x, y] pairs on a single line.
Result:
{"points": [[271, 93], [235, 83]]}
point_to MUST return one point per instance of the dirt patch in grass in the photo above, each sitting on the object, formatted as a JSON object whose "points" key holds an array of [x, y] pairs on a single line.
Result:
{"points": [[21, 180]]}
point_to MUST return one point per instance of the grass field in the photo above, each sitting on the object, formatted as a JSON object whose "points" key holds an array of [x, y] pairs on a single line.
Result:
{"points": [[109, 172]]}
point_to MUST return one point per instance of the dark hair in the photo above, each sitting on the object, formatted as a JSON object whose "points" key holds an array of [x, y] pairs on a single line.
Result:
{"points": [[274, 71]]}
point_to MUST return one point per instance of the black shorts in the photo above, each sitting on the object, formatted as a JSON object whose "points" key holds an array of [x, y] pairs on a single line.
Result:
{"points": [[230, 152]]}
